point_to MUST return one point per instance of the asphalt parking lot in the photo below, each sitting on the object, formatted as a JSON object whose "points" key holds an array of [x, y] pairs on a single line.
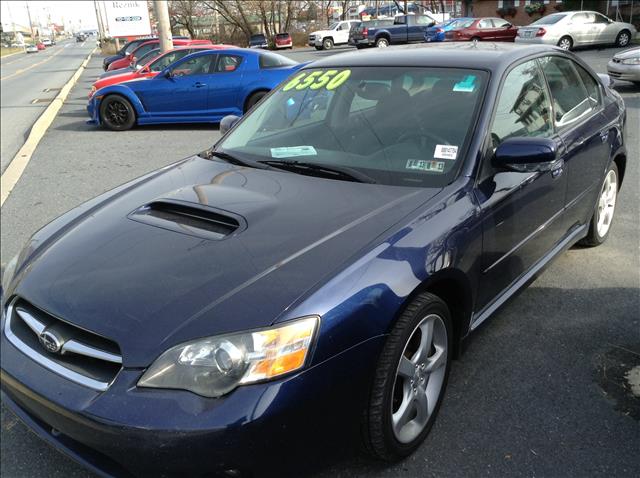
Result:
{"points": [[541, 389]]}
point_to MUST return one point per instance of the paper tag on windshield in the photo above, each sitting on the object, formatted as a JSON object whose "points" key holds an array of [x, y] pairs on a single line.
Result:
{"points": [[467, 85], [445, 151], [291, 151], [421, 165]]}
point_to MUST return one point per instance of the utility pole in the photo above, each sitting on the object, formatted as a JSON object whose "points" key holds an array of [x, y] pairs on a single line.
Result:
{"points": [[164, 25], [33, 35], [101, 34]]}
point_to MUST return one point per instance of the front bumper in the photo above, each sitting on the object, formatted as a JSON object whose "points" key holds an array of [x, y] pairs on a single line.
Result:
{"points": [[94, 111], [128, 431], [620, 71]]}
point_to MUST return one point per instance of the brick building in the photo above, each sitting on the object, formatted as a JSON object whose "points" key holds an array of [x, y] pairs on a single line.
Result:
{"points": [[490, 8]]}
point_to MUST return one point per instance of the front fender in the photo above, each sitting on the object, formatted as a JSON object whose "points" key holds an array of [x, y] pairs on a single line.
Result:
{"points": [[441, 240], [121, 90]]}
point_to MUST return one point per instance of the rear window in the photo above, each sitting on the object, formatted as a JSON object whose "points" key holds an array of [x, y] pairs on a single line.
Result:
{"points": [[282, 36], [258, 38], [550, 19], [273, 60]]}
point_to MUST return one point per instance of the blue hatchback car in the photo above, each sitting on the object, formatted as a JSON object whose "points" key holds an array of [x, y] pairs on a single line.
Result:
{"points": [[436, 32], [309, 279], [200, 88]]}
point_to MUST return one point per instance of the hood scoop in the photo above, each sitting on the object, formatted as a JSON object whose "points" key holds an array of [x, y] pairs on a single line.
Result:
{"points": [[189, 218]]}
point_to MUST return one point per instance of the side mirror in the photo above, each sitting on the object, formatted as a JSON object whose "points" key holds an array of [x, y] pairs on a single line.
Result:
{"points": [[168, 74], [227, 123], [527, 155]]}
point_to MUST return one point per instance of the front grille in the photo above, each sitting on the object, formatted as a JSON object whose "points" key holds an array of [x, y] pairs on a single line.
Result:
{"points": [[76, 354], [312, 38], [616, 60], [615, 74]]}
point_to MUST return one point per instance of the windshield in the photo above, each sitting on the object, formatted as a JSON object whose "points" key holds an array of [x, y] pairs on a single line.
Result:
{"points": [[131, 46], [398, 126], [550, 19], [147, 57], [333, 26]]}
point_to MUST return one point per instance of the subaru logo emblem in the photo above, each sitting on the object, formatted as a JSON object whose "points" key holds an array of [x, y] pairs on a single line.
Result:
{"points": [[50, 341]]}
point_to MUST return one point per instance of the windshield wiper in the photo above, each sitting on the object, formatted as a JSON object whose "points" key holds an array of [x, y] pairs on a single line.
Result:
{"points": [[322, 170], [235, 160]]}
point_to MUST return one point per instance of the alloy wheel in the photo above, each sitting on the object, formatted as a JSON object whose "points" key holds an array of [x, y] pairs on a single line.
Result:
{"points": [[419, 378], [117, 113], [565, 44], [607, 203]]}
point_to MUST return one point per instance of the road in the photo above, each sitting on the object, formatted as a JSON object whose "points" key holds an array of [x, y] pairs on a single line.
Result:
{"points": [[28, 83], [539, 391]]}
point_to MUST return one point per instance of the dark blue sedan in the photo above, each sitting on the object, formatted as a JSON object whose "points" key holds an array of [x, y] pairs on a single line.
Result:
{"points": [[200, 88], [309, 279]]}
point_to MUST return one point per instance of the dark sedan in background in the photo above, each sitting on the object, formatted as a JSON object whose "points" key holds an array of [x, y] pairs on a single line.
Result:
{"points": [[309, 279]]}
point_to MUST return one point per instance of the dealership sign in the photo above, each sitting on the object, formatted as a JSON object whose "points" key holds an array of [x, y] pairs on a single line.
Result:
{"points": [[127, 18]]}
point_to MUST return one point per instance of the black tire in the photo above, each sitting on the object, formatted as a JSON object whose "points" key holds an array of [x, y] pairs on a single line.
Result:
{"points": [[116, 113], [359, 47], [476, 39], [623, 38], [593, 237], [382, 42], [327, 44], [318, 48], [253, 99], [378, 436], [565, 40]]}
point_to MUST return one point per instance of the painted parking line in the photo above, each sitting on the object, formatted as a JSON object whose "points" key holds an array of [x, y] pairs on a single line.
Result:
{"points": [[19, 163], [22, 70]]}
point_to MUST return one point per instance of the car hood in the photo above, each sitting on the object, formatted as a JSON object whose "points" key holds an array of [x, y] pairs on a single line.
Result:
{"points": [[149, 283], [631, 53]]}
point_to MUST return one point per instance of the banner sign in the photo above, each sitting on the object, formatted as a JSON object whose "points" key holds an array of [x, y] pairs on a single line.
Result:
{"points": [[126, 19]]}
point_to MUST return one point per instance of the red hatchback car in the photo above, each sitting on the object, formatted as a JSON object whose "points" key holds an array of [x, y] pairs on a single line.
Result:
{"points": [[483, 29], [146, 47]]}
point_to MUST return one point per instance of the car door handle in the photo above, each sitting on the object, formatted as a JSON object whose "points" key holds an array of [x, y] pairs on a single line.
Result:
{"points": [[199, 85]]}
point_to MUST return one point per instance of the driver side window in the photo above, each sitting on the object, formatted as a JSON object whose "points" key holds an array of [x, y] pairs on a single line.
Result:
{"points": [[200, 65], [523, 108]]}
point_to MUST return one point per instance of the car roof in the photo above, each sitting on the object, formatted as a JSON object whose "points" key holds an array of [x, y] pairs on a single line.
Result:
{"points": [[481, 55]]}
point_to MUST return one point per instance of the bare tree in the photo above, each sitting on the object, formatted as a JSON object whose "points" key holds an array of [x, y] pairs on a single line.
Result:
{"points": [[235, 12], [345, 9], [183, 14]]}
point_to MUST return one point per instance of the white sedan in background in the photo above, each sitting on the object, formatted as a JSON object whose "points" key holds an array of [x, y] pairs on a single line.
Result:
{"points": [[571, 29], [625, 65]]}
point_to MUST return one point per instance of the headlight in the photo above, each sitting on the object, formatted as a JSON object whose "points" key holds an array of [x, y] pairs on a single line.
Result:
{"points": [[631, 61], [216, 365], [8, 272]]}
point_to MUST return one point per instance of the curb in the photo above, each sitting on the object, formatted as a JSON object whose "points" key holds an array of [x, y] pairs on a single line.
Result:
{"points": [[18, 164]]}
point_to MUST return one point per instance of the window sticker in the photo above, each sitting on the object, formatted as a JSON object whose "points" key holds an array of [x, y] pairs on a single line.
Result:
{"points": [[467, 85], [421, 165], [328, 79], [445, 151], [292, 151]]}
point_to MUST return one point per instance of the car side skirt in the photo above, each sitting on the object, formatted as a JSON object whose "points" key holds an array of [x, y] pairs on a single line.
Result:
{"points": [[479, 317]]}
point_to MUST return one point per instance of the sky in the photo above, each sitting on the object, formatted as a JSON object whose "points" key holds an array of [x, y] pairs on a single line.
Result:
{"points": [[78, 14]]}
